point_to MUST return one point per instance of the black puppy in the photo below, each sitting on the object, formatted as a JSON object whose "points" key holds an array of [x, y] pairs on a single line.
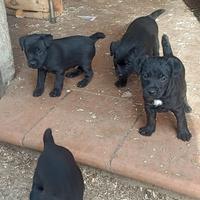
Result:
{"points": [[57, 176], [56, 56], [164, 89], [140, 39]]}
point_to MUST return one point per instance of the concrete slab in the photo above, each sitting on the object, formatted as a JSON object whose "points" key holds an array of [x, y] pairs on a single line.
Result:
{"points": [[20, 112], [161, 159], [92, 126]]}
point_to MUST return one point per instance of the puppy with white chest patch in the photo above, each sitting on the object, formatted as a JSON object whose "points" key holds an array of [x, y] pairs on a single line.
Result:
{"points": [[56, 56], [164, 89], [57, 176], [140, 39]]}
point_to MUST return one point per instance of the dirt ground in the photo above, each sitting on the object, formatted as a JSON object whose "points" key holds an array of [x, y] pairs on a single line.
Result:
{"points": [[17, 166]]}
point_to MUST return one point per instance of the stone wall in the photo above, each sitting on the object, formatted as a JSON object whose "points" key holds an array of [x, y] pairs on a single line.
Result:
{"points": [[7, 69]]}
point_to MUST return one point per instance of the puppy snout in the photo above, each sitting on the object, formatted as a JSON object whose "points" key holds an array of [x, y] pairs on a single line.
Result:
{"points": [[119, 71], [33, 63], [152, 91]]}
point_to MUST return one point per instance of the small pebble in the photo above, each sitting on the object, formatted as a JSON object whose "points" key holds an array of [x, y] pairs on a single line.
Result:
{"points": [[80, 110], [127, 94]]}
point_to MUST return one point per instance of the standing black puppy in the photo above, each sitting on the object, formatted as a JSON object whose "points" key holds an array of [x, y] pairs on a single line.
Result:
{"points": [[140, 39], [164, 89], [56, 56], [57, 176]]}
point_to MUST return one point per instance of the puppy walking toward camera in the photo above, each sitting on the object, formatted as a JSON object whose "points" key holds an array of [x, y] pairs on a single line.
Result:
{"points": [[164, 89], [57, 176], [140, 39], [56, 56]]}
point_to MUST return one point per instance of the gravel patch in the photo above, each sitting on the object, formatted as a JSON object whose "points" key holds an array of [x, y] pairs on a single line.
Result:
{"points": [[17, 166]]}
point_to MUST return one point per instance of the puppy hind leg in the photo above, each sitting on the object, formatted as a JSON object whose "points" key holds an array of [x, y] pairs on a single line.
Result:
{"points": [[74, 73], [88, 73], [187, 107], [183, 133]]}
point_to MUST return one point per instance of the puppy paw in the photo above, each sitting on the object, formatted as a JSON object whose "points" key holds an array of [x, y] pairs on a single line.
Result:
{"points": [[55, 92], [187, 109], [146, 131], [184, 135], [38, 92], [120, 83], [82, 83]]}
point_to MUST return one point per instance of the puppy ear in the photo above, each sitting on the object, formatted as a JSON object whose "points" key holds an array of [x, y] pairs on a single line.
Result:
{"points": [[131, 52], [140, 63], [113, 47], [136, 62], [47, 39], [176, 66], [22, 42]]}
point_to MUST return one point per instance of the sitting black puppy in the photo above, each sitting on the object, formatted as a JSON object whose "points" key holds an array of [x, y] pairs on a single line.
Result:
{"points": [[140, 39], [56, 56], [164, 89], [57, 176]]}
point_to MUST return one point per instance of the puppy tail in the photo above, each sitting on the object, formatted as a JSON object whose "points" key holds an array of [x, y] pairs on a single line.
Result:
{"points": [[156, 13], [97, 35], [167, 50], [48, 137]]}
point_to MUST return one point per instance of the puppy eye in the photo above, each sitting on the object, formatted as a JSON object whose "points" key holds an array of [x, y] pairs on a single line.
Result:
{"points": [[39, 52], [145, 76], [163, 78], [40, 188]]}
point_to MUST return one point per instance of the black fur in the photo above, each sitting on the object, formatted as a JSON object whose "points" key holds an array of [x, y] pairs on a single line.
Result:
{"points": [[163, 78], [140, 39], [55, 56], [57, 176]]}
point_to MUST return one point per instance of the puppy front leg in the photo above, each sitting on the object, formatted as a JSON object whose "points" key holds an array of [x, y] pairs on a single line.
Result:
{"points": [[40, 83], [56, 92], [151, 122], [88, 76], [183, 132], [123, 77]]}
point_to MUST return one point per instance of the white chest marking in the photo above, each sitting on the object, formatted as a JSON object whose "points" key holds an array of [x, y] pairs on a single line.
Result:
{"points": [[157, 102]]}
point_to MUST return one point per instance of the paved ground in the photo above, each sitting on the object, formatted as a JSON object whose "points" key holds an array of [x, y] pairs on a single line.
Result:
{"points": [[97, 123], [16, 171]]}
